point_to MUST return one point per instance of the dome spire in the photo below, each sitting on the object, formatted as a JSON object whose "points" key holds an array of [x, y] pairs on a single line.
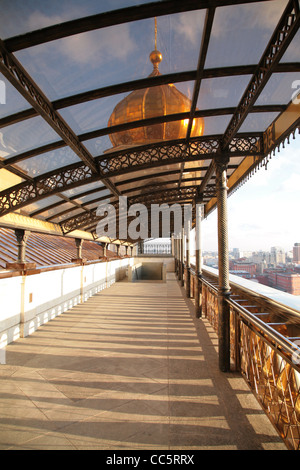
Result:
{"points": [[155, 56]]}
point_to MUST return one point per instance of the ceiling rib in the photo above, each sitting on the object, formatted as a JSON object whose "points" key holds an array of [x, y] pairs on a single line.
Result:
{"points": [[148, 82], [117, 163], [112, 18], [209, 18]]}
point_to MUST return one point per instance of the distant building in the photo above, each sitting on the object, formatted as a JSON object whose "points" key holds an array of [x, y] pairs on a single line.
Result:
{"points": [[296, 253], [243, 265], [241, 273], [287, 282], [236, 253], [277, 255]]}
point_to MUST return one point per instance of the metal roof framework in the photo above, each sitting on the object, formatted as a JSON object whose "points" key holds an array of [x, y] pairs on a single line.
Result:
{"points": [[64, 200]]}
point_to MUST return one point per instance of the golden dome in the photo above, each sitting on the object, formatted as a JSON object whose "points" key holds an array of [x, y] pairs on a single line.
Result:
{"points": [[149, 103]]}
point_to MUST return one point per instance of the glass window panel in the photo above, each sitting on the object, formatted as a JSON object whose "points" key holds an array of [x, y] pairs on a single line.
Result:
{"points": [[257, 122], [91, 197], [82, 189], [25, 135], [8, 179], [222, 92], [128, 107], [11, 101], [279, 89], [99, 145], [92, 115], [112, 55], [95, 205], [241, 33], [35, 206], [56, 210], [216, 124], [49, 161], [292, 53], [66, 216], [19, 17]]}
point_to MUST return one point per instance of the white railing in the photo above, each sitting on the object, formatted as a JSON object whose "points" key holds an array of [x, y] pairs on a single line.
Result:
{"points": [[29, 301]]}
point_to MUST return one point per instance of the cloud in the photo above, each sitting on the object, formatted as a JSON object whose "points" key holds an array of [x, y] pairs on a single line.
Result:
{"points": [[93, 47], [264, 15], [189, 25]]}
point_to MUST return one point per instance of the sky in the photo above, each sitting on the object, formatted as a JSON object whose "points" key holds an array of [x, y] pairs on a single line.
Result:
{"points": [[264, 212]]}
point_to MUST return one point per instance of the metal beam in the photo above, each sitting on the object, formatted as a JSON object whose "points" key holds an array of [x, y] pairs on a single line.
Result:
{"points": [[112, 18], [209, 18], [117, 163], [148, 82]]}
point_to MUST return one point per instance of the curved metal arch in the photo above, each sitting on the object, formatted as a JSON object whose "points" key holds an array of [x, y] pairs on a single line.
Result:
{"points": [[112, 18]]}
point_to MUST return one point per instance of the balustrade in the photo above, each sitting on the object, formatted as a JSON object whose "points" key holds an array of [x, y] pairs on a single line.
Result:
{"points": [[264, 347]]}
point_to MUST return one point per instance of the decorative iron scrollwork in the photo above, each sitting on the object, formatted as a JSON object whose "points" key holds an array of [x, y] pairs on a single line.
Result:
{"points": [[276, 47]]}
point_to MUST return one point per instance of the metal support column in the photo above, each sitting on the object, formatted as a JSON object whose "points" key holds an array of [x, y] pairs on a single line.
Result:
{"points": [[198, 254], [188, 260], [22, 237], [179, 259], [224, 287], [105, 250], [21, 263], [79, 243], [182, 256]]}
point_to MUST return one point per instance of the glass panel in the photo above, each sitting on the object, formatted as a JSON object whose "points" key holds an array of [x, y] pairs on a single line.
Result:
{"points": [[66, 216], [98, 146], [240, 33], [165, 172], [81, 189], [215, 125], [19, 17], [279, 89], [222, 92], [8, 179], [35, 206], [56, 210], [11, 101], [112, 55], [96, 204], [25, 135], [292, 53], [91, 197], [128, 107], [258, 122], [92, 115], [48, 161]]}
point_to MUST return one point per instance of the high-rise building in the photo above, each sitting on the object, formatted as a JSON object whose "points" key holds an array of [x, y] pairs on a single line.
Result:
{"points": [[296, 253], [277, 255]]}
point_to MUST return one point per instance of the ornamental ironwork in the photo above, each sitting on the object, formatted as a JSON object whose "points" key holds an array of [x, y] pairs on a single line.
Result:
{"points": [[278, 44]]}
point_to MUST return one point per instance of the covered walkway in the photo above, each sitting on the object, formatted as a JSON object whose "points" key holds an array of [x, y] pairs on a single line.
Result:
{"points": [[129, 369]]}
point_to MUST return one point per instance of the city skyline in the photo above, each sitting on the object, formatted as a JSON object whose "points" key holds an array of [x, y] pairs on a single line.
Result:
{"points": [[264, 212]]}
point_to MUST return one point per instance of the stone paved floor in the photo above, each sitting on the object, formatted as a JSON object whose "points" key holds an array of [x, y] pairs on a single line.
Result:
{"points": [[128, 369]]}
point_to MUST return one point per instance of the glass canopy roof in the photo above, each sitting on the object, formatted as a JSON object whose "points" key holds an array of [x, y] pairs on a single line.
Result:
{"points": [[67, 66]]}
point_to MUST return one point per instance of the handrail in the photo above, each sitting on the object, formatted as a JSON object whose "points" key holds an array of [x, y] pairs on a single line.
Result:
{"points": [[291, 311], [5, 274], [264, 328]]}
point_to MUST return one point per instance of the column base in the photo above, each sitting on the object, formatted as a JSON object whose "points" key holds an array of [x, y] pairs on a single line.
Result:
{"points": [[80, 261], [20, 266]]}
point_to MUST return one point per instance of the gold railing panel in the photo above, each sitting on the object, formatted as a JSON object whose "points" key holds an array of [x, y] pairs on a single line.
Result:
{"points": [[262, 342]]}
